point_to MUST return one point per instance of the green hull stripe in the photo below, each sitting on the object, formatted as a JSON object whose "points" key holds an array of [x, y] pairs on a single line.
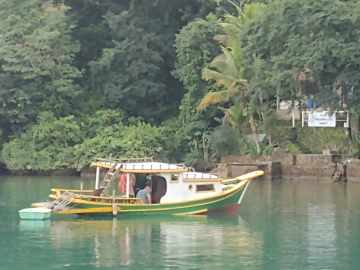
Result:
{"points": [[185, 206], [178, 209]]}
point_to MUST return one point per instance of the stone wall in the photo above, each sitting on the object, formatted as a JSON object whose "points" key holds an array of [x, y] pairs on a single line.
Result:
{"points": [[353, 170], [319, 167], [238, 165]]}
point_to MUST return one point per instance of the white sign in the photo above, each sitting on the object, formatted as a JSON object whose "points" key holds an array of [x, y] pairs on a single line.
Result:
{"points": [[321, 119]]}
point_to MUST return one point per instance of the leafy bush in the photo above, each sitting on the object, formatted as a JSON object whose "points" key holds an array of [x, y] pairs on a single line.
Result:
{"points": [[315, 140], [225, 141], [105, 144], [45, 146], [101, 120], [141, 140], [55, 132], [18, 153], [293, 148], [118, 141], [174, 140], [56, 143]]}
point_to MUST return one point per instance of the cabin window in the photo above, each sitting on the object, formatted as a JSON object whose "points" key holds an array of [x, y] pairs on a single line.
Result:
{"points": [[209, 187], [174, 177]]}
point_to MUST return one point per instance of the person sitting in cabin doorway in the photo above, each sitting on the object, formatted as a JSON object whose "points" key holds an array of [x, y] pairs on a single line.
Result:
{"points": [[145, 194]]}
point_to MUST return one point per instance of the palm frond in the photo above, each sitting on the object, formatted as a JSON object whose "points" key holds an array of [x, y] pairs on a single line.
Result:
{"points": [[230, 67], [236, 5], [238, 88], [219, 78], [213, 98], [221, 39]]}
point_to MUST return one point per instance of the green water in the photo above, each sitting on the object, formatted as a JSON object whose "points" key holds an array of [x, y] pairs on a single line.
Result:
{"points": [[281, 225]]}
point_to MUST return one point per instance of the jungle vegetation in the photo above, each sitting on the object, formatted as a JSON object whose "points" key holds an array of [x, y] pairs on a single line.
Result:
{"points": [[180, 80]]}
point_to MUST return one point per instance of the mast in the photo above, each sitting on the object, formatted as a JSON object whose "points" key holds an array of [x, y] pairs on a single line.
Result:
{"points": [[97, 180], [127, 185]]}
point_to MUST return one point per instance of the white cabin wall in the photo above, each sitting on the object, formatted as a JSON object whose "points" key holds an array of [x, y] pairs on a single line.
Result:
{"points": [[178, 191]]}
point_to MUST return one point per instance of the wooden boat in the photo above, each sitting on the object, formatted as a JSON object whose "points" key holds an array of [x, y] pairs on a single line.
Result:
{"points": [[176, 190]]}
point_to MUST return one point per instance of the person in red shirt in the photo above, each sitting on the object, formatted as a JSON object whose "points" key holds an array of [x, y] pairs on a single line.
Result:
{"points": [[123, 181]]}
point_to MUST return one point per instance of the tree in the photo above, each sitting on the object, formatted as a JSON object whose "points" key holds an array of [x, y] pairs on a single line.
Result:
{"points": [[130, 71], [195, 48], [134, 70], [316, 37], [36, 60]]}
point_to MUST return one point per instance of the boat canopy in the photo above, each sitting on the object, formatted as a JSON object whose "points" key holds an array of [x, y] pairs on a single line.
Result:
{"points": [[141, 167]]}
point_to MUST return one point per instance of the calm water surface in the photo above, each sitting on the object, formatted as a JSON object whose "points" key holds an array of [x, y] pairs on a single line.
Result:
{"points": [[281, 225]]}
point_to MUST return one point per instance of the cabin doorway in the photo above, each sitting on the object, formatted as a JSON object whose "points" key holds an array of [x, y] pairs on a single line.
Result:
{"points": [[158, 185], [158, 188]]}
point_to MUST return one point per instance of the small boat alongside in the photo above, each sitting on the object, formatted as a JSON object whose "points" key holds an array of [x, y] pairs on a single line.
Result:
{"points": [[36, 213], [174, 190]]}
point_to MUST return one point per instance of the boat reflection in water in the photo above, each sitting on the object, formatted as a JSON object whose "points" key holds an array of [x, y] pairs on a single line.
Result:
{"points": [[156, 242], [34, 225]]}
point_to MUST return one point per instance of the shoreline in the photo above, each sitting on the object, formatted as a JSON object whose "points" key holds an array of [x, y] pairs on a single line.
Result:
{"points": [[291, 167], [59, 172]]}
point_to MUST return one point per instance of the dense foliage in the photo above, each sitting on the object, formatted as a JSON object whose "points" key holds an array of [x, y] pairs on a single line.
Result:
{"points": [[179, 80]]}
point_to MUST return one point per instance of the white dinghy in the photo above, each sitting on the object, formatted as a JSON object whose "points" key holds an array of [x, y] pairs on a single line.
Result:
{"points": [[35, 213]]}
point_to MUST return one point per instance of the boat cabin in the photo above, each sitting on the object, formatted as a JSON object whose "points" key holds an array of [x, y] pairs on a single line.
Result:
{"points": [[170, 183]]}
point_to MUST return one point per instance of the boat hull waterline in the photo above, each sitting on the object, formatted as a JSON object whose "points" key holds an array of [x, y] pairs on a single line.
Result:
{"points": [[227, 198]]}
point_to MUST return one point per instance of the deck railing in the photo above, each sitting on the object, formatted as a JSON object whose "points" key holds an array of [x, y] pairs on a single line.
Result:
{"points": [[125, 160]]}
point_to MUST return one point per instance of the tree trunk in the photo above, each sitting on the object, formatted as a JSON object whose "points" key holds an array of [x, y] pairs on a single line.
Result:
{"points": [[205, 148], [254, 132]]}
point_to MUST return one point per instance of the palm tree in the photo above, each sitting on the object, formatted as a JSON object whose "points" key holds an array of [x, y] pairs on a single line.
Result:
{"points": [[227, 70], [227, 75]]}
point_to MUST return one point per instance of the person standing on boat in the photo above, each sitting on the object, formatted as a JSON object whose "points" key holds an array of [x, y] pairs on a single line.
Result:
{"points": [[122, 185], [145, 194], [132, 184]]}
